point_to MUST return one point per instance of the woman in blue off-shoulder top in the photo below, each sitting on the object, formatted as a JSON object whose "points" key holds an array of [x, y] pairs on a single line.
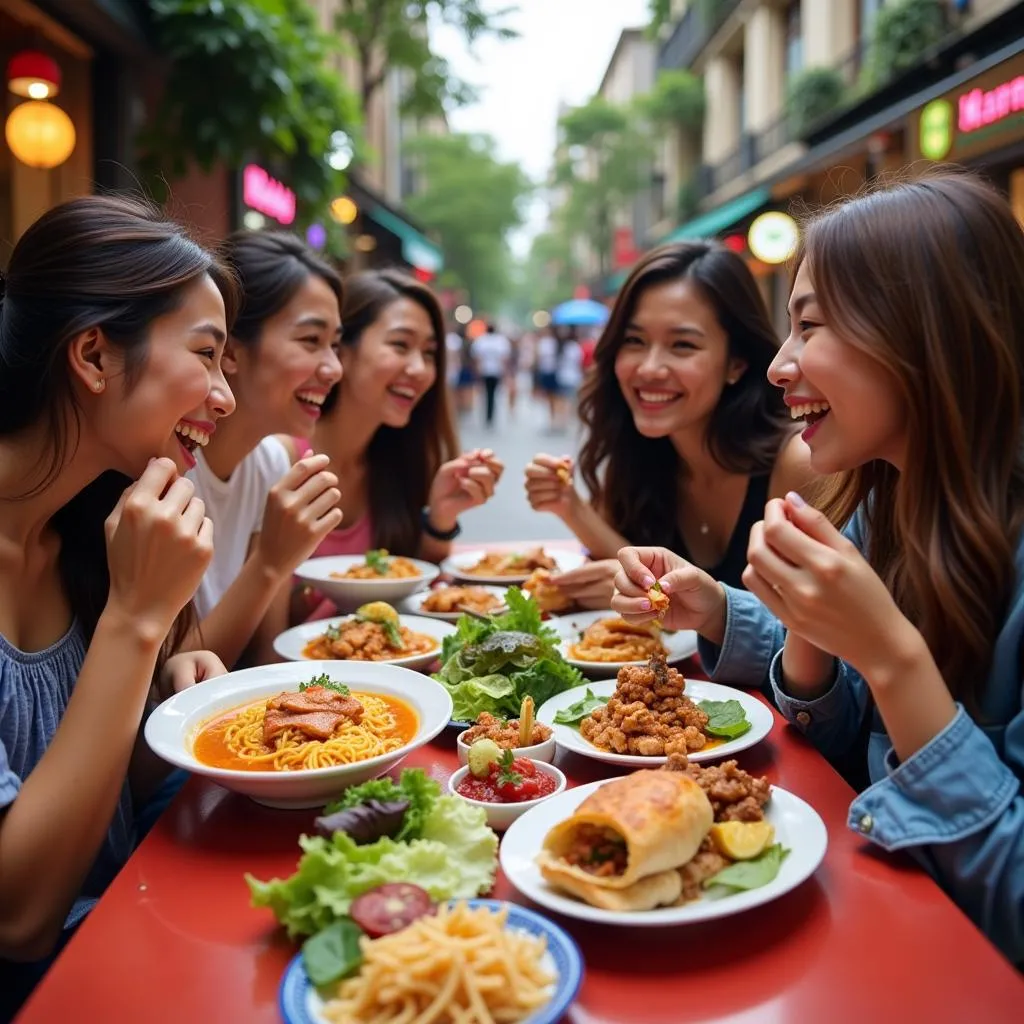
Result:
{"points": [[906, 360]]}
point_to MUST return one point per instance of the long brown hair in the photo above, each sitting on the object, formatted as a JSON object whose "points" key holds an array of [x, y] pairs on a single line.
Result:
{"points": [[631, 478], [401, 463], [111, 262], [926, 276]]}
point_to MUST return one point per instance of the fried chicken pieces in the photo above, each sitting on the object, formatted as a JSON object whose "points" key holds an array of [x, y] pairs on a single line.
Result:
{"points": [[735, 795], [648, 714]]}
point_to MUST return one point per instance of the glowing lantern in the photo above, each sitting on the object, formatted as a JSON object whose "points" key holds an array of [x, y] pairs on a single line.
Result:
{"points": [[40, 134], [33, 75]]}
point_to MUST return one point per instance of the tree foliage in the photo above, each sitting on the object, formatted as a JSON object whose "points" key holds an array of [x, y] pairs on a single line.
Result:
{"points": [[677, 100], [248, 80], [901, 33], [385, 35], [607, 163], [470, 200]]}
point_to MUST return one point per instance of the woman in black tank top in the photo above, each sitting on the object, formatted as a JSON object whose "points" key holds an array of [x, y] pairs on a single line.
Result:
{"points": [[685, 439]]}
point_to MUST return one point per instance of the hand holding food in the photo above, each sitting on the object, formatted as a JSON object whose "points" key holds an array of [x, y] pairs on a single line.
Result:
{"points": [[159, 544], [550, 598], [696, 600], [462, 484], [591, 585], [549, 484], [301, 509], [821, 587]]}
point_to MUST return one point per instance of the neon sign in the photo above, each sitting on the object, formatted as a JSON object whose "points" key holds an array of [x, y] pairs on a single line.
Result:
{"points": [[980, 108], [262, 192]]}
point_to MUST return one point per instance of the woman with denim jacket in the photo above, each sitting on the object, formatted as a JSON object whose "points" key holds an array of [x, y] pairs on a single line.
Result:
{"points": [[906, 359]]}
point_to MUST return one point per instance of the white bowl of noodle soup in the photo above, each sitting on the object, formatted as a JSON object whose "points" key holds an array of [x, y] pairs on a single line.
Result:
{"points": [[174, 727]]}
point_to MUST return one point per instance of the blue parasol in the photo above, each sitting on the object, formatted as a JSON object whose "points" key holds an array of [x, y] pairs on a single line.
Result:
{"points": [[579, 313]]}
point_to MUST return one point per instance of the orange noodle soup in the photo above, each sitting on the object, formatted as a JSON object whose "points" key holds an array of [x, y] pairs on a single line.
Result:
{"points": [[316, 726], [360, 640]]}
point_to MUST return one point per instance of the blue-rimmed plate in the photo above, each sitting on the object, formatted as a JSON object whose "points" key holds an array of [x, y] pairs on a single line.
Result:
{"points": [[300, 1003]]}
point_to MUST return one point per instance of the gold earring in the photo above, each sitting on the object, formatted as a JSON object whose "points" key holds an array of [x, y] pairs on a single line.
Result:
{"points": [[98, 385]]}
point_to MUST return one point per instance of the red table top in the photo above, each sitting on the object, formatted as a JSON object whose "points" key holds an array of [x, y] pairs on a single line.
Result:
{"points": [[869, 936]]}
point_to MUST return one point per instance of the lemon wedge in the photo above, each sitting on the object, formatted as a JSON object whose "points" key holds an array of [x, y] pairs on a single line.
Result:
{"points": [[742, 840], [377, 611]]}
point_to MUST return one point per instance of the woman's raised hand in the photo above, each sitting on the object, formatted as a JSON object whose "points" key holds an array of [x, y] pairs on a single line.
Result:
{"points": [[302, 508], [696, 600], [159, 544], [463, 484], [549, 484]]}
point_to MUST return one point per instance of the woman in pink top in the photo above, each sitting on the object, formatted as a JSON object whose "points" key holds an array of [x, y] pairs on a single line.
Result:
{"points": [[388, 430]]}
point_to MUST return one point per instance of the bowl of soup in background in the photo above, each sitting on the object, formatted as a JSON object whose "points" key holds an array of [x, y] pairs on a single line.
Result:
{"points": [[174, 726]]}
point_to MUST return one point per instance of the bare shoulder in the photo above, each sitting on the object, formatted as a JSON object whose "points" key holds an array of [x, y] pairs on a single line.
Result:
{"points": [[792, 470]]}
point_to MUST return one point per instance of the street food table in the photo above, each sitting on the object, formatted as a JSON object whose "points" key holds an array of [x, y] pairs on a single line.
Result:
{"points": [[868, 937]]}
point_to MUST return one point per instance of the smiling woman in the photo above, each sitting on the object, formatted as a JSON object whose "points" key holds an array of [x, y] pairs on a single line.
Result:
{"points": [[112, 325], [282, 360], [388, 429], [685, 438]]}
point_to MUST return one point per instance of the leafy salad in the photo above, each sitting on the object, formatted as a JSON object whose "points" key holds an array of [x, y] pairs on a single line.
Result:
{"points": [[439, 843], [491, 664]]}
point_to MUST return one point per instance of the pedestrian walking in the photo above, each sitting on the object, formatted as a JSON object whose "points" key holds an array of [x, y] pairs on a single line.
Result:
{"points": [[492, 353]]}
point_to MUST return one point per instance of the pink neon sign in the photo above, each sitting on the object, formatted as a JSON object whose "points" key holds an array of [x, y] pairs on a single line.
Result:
{"points": [[979, 108], [267, 195]]}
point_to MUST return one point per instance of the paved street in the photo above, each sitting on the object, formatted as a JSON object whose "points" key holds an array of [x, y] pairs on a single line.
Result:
{"points": [[508, 516]]}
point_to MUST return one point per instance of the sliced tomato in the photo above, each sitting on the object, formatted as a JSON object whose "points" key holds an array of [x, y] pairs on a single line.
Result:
{"points": [[390, 908]]}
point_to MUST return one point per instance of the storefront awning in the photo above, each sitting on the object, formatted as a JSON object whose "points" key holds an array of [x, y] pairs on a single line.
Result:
{"points": [[715, 221], [417, 249]]}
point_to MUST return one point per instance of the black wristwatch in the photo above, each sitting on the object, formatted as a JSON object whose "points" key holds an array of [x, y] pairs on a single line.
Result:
{"points": [[432, 531]]}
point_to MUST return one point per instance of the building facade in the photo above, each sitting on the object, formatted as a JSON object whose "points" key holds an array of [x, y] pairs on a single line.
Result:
{"points": [[808, 100]]}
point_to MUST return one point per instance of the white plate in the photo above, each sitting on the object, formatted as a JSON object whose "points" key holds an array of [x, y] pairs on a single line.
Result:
{"points": [[456, 566], [414, 604], [291, 642], [758, 714], [171, 728], [680, 645], [349, 594], [798, 827]]}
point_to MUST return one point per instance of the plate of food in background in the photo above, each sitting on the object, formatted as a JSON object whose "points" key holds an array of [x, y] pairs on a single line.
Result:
{"points": [[668, 846], [497, 567], [296, 735], [351, 580], [448, 602], [649, 712], [601, 643], [468, 960], [376, 632]]}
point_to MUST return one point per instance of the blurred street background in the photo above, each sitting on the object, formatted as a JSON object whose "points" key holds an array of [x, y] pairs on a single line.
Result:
{"points": [[517, 156]]}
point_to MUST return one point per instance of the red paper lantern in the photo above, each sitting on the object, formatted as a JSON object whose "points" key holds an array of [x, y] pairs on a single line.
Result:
{"points": [[737, 243], [33, 75]]}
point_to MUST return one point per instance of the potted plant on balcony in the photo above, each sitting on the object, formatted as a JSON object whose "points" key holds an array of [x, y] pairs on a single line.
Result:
{"points": [[812, 94], [901, 34]]}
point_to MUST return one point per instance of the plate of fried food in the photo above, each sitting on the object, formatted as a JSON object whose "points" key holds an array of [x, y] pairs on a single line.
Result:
{"points": [[448, 602], [497, 567], [351, 580], [601, 643], [667, 846], [376, 632], [650, 712]]}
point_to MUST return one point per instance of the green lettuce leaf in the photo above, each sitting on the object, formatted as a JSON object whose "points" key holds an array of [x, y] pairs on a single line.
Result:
{"points": [[333, 953], [471, 696], [751, 874], [460, 864], [584, 706], [413, 785], [726, 718]]}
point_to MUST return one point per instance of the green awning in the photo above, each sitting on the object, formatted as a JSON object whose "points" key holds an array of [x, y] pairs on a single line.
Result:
{"points": [[418, 250], [715, 221]]}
